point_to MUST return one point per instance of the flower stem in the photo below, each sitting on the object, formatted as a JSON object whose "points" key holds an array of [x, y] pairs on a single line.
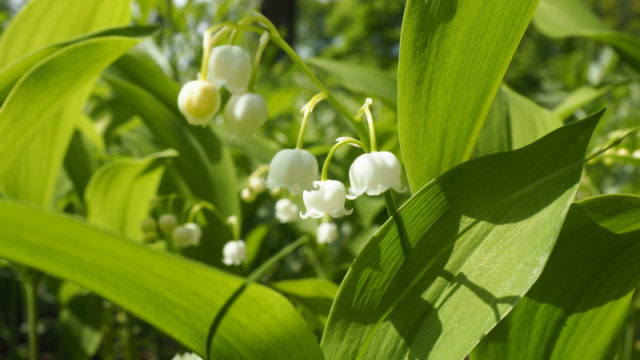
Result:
{"points": [[279, 41], [334, 148], [257, 273], [262, 45], [390, 203], [366, 111], [31, 282], [306, 110]]}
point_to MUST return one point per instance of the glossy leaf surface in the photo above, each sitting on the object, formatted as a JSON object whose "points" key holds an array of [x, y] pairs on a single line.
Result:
{"points": [[459, 254]]}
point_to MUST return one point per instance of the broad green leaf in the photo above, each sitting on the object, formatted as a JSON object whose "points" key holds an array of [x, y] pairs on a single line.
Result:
{"points": [[453, 55], [206, 168], [203, 308], [571, 18], [38, 116], [10, 74], [45, 22], [361, 79], [316, 294], [459, 254], [577, 99], [119, 193], [204, 162], [580, 303], [513, 122]]}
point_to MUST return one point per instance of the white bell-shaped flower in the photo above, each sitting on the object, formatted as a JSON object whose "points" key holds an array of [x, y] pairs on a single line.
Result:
{"points": [[186, 235], [293, 169], [327, 233], [186, 356], [199, 101], [230, 65], [244, 114], [327, 198], [286, 211], [234, 253], [374, 173]]}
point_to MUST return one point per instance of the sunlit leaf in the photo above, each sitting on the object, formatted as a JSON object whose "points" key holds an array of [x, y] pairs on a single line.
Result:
{"points": [[119, 193], [453, 55], [459, 254], [579, 305], [201, 307]]}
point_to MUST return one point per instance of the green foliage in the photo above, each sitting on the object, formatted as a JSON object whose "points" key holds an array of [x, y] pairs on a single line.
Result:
{"points": [[431, 282], [580, 303], [448, 75], [206, 309]]}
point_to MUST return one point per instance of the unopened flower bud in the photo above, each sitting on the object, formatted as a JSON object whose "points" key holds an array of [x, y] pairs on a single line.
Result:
{"points": [[247, 195], [286, 211], [256, 184], [244, 114], [167, 222], [148, 224], [199, 101], [230, 65], [234, 253], [327, 233]]}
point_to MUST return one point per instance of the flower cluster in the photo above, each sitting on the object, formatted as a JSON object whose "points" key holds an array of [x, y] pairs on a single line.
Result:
{"points": [[180, 235], [227, 66]]}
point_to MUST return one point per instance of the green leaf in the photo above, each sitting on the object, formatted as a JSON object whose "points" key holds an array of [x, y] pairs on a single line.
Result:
{"points": [[579, 305], [577, 99], [119, 193], [570, 18], [513, 122], [39, 24], [204, 162], [316, 294], [361, 79], [38, 116], [459, 254], [453, 55], [201, 307]]}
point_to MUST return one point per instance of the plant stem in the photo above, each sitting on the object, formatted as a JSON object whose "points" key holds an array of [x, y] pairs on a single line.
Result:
{"points": [[30, 283], [390, 203], [257, 273], [306, 110], [262, 45], [325, 166]]}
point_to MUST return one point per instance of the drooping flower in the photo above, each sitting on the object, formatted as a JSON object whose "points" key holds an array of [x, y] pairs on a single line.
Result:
{"points": [[374, 173], [293, 169], [327, 233], [234, 252], [327, 198], [198, 101], [167, 222], [244, 114], [286, 211], [186, 235], [230, 65], [186, 356]]}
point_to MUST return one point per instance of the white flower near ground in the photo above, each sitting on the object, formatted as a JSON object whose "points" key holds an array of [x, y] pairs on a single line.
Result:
{"points": [[230, 65], [244, 114], [186, 356], [199, 101], [374, 173], [327, 198], [186, 235], [167, 222], [286, 211], [636, 154], [234, 252], [293, 169], [327, 233]]}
